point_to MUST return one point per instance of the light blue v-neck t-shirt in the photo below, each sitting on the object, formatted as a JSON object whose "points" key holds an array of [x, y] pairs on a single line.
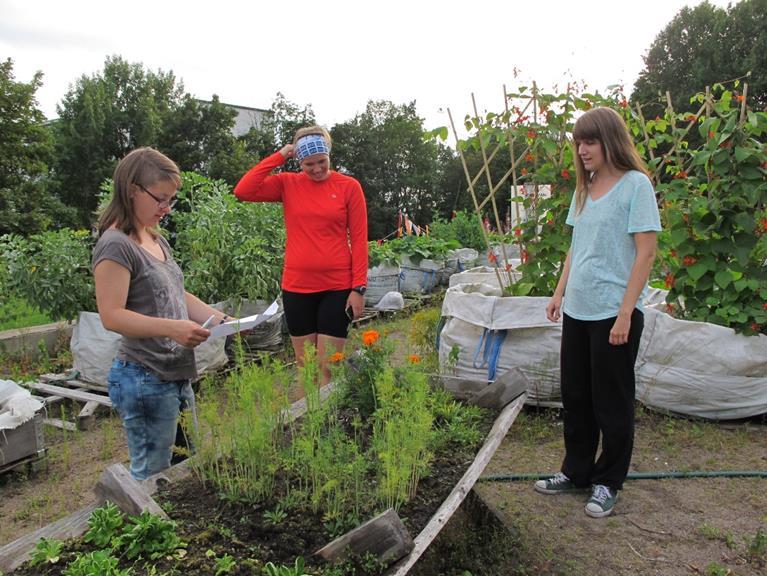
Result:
{"points": [[603, 249]]}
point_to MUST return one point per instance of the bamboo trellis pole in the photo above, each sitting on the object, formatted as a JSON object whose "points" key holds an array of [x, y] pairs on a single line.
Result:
{"points": [[491, 188], [473, 193]]}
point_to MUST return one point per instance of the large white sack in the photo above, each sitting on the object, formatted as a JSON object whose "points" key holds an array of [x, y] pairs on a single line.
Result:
{"points": [[418, 278], [265, 336], [487, 275], [16, 406], [94, 348], [692, 368], [701, 369], [382, 279], [495, 334], [457, 261]]}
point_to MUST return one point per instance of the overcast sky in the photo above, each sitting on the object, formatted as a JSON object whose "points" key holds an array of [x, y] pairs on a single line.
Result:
{"points": [[338, 54]]}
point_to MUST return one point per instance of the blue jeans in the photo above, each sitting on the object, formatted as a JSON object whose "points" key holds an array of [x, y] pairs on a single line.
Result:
{"points": [[149, 408]]}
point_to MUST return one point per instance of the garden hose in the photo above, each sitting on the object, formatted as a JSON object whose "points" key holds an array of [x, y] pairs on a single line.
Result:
{"points": [[638, 475]]}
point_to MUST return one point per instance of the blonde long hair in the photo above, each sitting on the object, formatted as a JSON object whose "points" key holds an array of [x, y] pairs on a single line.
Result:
{"points": [[141, 167], [606, 126]]}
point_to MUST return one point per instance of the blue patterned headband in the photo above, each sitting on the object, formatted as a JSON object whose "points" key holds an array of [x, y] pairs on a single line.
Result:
{"points": [[310, 145]]}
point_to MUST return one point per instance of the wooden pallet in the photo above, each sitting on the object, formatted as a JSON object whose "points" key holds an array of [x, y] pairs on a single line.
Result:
{"points": [[54, 388]]}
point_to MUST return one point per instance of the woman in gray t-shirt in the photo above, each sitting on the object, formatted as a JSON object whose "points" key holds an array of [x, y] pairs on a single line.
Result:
{"points": [[140, 295]]}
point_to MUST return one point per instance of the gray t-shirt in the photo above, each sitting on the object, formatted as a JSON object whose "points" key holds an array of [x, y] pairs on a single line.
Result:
{"points": [[156, 289]]}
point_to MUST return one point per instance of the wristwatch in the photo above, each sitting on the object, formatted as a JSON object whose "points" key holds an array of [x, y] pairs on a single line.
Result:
{"points": [[360, 289]]}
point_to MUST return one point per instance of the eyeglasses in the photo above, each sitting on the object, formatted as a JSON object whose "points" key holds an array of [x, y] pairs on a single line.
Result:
{"points": [[169, 204]]}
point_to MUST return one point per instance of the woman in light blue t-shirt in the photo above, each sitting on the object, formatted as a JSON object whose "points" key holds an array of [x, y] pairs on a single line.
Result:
{"points": [[615, 219]]}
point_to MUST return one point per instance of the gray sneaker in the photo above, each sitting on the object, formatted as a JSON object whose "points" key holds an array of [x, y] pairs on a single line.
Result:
{"points": [[558, 484], [602, 501]]}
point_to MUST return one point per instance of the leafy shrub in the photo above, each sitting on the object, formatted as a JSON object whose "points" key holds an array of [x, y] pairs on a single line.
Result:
{"points": [[463, 228], [226, 248], [51, 271]]}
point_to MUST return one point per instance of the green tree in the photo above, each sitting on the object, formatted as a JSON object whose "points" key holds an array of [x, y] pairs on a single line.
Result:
{"points": [[385, 149], [198, 136], [700, 47], [26, 151], [101, 119], [277, 129]]}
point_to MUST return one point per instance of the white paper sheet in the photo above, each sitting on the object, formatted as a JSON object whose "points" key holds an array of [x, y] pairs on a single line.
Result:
{"points": [[240, 324]]}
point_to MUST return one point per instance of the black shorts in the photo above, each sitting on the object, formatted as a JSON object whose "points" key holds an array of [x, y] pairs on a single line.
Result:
{"points": [[316, 312]]}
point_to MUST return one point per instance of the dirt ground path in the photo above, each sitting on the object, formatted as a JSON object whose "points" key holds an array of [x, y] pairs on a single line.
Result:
{"points": [[668, 527]]}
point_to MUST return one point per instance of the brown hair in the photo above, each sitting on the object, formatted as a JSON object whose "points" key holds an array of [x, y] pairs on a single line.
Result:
{"points": [[144, 167], [606, 126]]}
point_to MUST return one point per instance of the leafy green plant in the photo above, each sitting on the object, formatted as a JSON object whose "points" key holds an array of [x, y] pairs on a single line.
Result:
{"points": [[224, 564], [757, 547], [46, 551], [104, 525], [715, 217], [52, 272], [100, 562], [382, 253], [716, 569], [227, 249], [149, 536], [276, 516], [464, 228], [272, 569]]}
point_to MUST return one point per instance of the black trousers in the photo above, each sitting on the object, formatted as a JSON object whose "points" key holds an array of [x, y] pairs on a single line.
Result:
{"points": [[598, 387]]}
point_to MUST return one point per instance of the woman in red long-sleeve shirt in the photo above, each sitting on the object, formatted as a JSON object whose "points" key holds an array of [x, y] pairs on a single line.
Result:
{"points": [[326, 256]]}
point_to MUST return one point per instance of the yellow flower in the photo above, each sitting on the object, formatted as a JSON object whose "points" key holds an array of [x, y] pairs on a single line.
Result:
{"points": [[370, 337], [414, 359], [336, 358]]}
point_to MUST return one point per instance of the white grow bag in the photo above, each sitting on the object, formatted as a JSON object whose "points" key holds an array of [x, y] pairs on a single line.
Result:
{"points": [[692, 368], [420, 278], [495, 334], [382, 279], [487, 275], [94, 348]]}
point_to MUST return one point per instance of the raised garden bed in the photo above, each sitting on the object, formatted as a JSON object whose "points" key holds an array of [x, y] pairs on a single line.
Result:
{"points": [[251, 535]]}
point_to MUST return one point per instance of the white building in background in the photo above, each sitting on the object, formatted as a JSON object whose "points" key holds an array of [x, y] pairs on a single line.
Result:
{"points": [[246, 118]]}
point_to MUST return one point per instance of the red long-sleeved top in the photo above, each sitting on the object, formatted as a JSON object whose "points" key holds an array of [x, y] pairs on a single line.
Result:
{"points": [[326, 225]]}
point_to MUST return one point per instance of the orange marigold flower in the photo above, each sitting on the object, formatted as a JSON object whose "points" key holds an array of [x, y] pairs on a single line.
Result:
{"points": [[370, 337], [336, 358], [414, 359]]}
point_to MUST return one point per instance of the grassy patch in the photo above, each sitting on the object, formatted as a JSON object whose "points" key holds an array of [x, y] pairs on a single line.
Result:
{"points": [[17, 313]]}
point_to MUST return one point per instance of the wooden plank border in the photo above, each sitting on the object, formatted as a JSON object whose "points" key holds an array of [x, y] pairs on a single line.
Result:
{"points": [[453, 501]]}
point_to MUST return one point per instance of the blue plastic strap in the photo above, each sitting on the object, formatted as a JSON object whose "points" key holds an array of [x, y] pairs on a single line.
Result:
{"points": [[479, 348], [496, 345]]}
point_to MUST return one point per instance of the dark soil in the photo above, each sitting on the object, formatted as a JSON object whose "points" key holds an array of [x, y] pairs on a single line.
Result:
{"points": [[213, 527]]}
